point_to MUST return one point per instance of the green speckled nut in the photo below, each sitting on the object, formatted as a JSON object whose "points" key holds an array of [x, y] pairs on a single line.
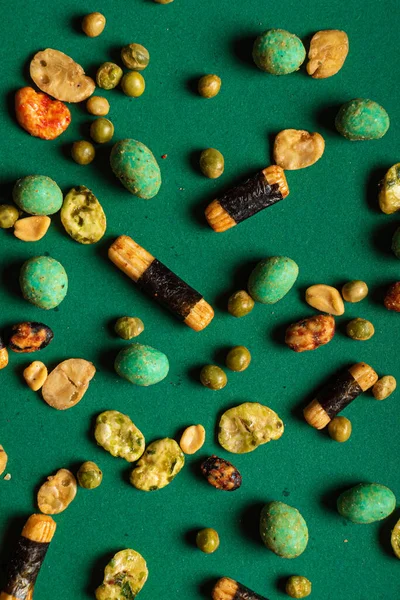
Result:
{"points": [[272, 279], [283, 530], [366, 503], [136, 168], [43, 282], [37, 195], [362, 119], [278, 52], [142, 365]]}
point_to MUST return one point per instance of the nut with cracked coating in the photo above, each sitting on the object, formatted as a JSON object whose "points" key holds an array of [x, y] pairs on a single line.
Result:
{"points": [[309, 334], [67, 383]]}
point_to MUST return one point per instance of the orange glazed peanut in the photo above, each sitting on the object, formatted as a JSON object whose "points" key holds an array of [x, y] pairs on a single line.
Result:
{"points": [[309, 334]]}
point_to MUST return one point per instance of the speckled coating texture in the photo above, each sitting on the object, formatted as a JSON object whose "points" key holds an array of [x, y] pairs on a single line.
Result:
{"points": [[142, 365], [283, 530], [272, 279], [366, 503], [278, 52], [43, 282], [37, 195], [136, 168], [362, 119]]}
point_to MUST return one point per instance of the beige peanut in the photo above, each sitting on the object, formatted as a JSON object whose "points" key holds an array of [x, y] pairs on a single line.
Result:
{"points": [[325, 298], [35, 375], [31, 229], [192, 439]]}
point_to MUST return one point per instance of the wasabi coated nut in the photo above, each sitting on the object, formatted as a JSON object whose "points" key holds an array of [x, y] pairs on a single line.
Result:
{"points": [[207, 540], [238, 358], [142, 365], [83, 152], [384, 387], [209, 86], [128, 327], [108, 75], [89, 475], [389, 191], [355, 291], [133, 84], [8, 216], [137, 169], [362, 119], [211, 163], [213, 377], [43, 282], [283, 529], [117, 434], [57, 493], [82, 216], [394, 539], [135, 57], [366, 503], [278, 52], [360, 329], [93, 24], [298, 586], [124, 576], [101, 130], [96, 105], [37, 195], [272, 279], [159, 465], [245, 427], [325, 298], [340, 429], [240, 304]]}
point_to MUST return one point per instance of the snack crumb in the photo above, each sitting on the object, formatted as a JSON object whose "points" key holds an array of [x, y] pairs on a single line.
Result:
{"points": [[7, 477], [345, 541], [164, 155]]}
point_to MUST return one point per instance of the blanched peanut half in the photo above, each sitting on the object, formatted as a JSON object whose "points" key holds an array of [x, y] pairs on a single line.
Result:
{"points": [[192, 439], [325, 298], [57, 493], [3, 459], [297, 149], [328, 51], [35, 375], [31, 229]]}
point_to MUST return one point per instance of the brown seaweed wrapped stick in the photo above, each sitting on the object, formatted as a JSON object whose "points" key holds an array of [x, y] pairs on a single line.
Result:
{"points": [[156, 280], [25, 563], [229, 589], [238, 204], [338, 393]]}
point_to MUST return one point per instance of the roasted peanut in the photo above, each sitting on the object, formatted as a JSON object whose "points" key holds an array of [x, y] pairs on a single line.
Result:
{"points": [[392, 298], [3, 355], [221, 474], [311, 333], [297, 149], [35, 375], [325, 298], [30, 337], [31, 229], [3, 459], [192, 439], [384, 387], [328, 51], [57, 493]]}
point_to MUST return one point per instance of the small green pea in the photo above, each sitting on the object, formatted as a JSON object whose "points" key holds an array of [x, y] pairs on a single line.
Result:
{"points": [[8, 216], [211, 163], [101, 130], [128, 327], [238, 358], [133, 84], [298, 586], [135, 57], [360, 329], [207, 540], [108, 75], [213, 377], [240, 304], [89, 475], [209, 86], [340, 429], [354, 291], [83, 152]]}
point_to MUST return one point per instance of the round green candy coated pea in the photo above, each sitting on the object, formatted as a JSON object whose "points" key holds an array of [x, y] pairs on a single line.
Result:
{"points": [[137, 169], [213, 377], [240, 304], [135, 57], [101, 130], [209, 86], [207, 540], [37, 195], [298, 586], [360, 329], [283, 529], [238, 358], [272, 279], [212, 163], [340, 429], [108, 75], [133, 84], [43, 282], [89, 475], [142, 365], [278, 52], [83, 152], [362, 119], [366, 503], [128, 327], [8, 216]]}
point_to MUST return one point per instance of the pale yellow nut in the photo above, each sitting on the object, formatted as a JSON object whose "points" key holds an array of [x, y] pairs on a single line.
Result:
{"points": [[31, 229], [192, 439], [35, 375], [57, 493], [325, 298], [297, 149], [3, 357], [3, 459], [328, 51], [384, 387]]}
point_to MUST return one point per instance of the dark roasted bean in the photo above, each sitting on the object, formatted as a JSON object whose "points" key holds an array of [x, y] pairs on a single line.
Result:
{"points": [[30, 337], [221, 474]]}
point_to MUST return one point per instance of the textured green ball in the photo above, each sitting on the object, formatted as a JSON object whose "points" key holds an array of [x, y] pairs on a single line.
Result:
{"points": [[43, 282], [362, 119], [283, 530], [37, 195], [142, 365], [137, 169], [278, 52], [298, 586], [272, 279], [89, 475], [366, 503]]}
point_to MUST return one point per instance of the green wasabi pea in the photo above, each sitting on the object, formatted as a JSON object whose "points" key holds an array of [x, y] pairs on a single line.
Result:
{"points": [[8, 216], [136, 168], [362, 119], [37, 195], [272, 279], [43, 282], [89, 475], [366, 503], [245, 427], [159, 465], [83, 216], [278, 52], [389, 191], [283, 530], [117, 434], [142, 365], [124, 576]]}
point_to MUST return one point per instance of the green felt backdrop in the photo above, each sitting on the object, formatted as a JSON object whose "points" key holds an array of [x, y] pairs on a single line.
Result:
{"points": [[330, 225]]}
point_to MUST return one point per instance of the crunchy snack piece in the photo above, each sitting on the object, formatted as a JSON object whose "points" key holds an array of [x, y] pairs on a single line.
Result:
{"points": [[283, 529], [297, 149], [389, 191], [325, 298], [159, 465], [392, 298], [395, 539], [384, 387], [309, 334], [83, 216], [30, 337], [192, 439], [354, 291], [340, 429], [3, 355], [89, 475], [117, 434], [57, 493], [61, 77], [229, 589], [3, 459], [124, 576], [328, 51], [67, 383], [31, 229], [93, 24], [35, 375], [221, 474], [39, 115]]}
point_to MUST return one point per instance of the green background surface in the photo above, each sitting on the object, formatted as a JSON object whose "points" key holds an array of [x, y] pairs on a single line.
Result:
{"points": [[330, 225]]}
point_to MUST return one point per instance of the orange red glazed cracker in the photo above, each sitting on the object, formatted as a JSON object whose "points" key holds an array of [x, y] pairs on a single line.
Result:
{"points": [[39, 115]]}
